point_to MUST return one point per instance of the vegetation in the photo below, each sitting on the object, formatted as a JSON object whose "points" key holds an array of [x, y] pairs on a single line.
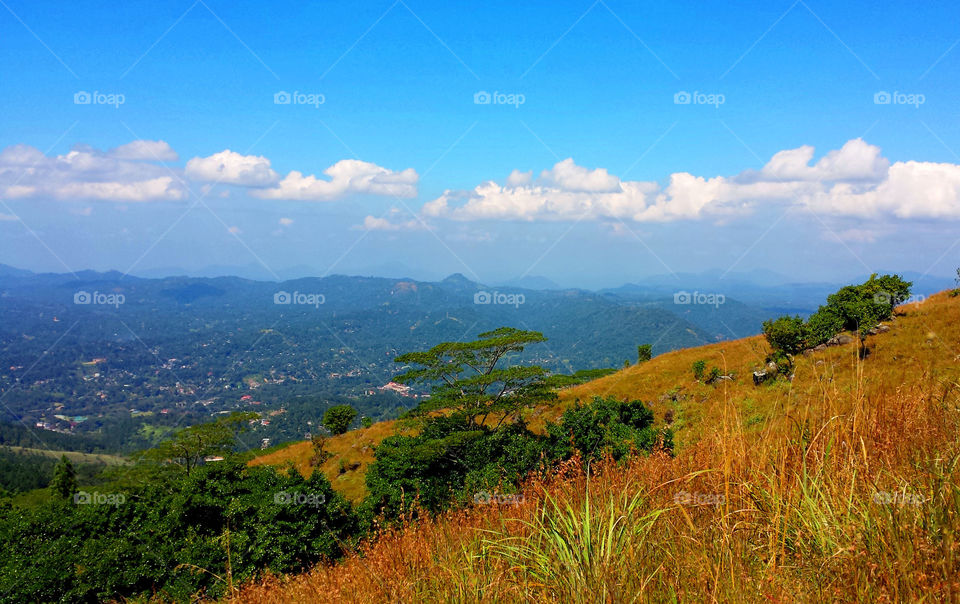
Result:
{"points": [[338, 418], [842, 485], [858, 308], [644, 353], [699, 366], [472, 436]]}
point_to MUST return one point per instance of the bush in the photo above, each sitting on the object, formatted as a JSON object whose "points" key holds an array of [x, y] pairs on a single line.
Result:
{"points": [[644, 353], [786, 334], [338, 418], [698, 368], [857, 308], [446, 464], [823, 325]]}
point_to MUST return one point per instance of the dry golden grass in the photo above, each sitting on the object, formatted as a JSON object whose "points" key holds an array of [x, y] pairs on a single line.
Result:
{"points": [[842, 485], [354, 447]]}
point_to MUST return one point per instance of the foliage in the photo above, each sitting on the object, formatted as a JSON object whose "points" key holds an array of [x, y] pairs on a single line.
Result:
{"points": [[468, 381], [64, 483], [699, 367], [188, 448], [179, 534], [858, 308], [338, 418], [447, 464], [786, 334], [644, 352]]}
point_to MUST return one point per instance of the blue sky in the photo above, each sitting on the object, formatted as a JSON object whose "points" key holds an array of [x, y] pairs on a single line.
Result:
{"points": [[653, 185]]}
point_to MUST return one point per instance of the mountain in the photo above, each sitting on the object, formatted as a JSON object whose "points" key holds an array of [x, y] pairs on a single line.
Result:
{"points": [[125, 352]]}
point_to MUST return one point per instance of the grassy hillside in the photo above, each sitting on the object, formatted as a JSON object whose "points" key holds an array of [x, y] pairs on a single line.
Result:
{"points": [[351, 453], [840, 485]]}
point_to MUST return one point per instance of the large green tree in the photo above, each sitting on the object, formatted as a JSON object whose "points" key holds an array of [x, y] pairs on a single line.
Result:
{"points": [[469, 380], [338, 418]]}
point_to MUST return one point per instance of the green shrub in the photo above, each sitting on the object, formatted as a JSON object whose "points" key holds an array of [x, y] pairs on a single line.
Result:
{"points": [[698, 368], [338, 418], [787, 334]]}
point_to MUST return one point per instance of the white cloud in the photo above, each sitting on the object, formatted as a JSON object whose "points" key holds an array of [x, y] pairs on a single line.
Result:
{"points": [[519, 179], [85, 173], [232, 168], [285, 221], [346, 177], [568, 176], [372, 223], [853, 180], [145, 150]]}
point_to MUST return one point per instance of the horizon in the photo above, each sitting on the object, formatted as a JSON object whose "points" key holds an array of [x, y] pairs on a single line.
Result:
{"points": [[591, 145]]}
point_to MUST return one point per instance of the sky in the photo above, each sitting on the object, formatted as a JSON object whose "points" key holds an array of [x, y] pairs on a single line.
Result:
{"points": [[592, 143]]}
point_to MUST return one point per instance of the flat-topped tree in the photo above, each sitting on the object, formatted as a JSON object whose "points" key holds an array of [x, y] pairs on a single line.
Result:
{"points": [[467, 378]]}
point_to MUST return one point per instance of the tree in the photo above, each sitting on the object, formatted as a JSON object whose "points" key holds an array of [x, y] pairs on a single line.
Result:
{"points": [[190, 446], [64, 483], [644, 353], [467, 379], [786, 334], [338, 418]]}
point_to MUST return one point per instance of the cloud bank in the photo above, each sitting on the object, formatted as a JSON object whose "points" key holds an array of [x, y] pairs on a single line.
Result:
{"points": [[855, 180]]}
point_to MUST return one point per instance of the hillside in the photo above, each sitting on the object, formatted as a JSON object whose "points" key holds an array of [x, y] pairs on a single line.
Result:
{"points": [[841, 485]]}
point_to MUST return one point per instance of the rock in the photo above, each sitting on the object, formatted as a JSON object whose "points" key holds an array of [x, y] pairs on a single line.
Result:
{"points": [[819, 347], [844, 339], [771, 368], [882, 328], [808, 352]]}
